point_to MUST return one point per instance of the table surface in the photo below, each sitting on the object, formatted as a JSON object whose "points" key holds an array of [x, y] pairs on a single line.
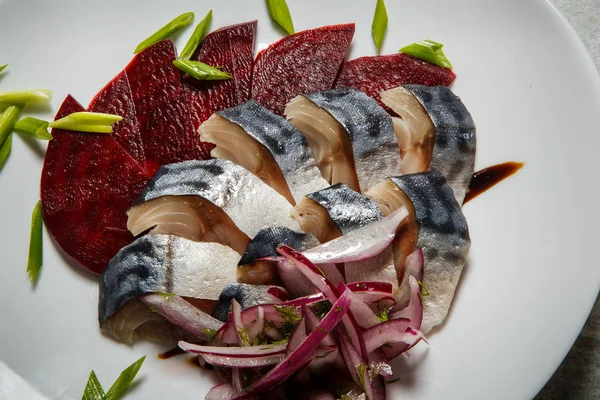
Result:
{"points": [[578, 377]]}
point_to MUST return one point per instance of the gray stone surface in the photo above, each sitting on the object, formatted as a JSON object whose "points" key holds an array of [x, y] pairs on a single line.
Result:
{"points": [[578, 377]]}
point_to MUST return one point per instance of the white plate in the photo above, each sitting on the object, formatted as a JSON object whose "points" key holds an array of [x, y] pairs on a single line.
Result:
{"points": [[532, 274]]}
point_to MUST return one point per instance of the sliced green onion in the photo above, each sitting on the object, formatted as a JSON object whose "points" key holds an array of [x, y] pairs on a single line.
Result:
{"points": [[180, 22], [196, 38], [93, 390], [380, 22], [36, 247], [279, 11], [8, 119], [124, 380], [24, 97], [37, 128], [5, 150], [3, 66], [201, 71], [428, 50], [87, 122]]}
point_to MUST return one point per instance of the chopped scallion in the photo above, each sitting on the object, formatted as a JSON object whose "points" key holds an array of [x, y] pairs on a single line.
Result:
{"points": [[124, 380], [280, 13], [201, 71], [37, 128], [36, 247], [93, 390], [428, 50], [87, 122], [8, 119], [3, 66], [179, 22], [196, 38], [24, 97], [380, 22], [5, 150]]}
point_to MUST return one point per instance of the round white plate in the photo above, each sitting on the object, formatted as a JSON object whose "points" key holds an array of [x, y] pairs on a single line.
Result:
{"points": [[532, 274]]}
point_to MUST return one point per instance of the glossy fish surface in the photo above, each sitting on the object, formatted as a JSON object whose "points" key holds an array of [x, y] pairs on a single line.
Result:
{"points": [[166, 264], [370, 130], [454, 145], [279, 154], [246, 295], [265, 243], [249, 202], [443, 235]]}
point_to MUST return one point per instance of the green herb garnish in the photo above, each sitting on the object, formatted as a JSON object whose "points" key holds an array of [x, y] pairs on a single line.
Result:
{"points": [[93, 390], [166, 296], [380, 21], [244, 336], [5, 150], [210, 333], [382, 312], [24, 97], [322, 308], [279, 11], [362, 371], [180, 22], [8, 119], [3, 66], [290, 320], [324, 355], [201, 71], [87, 122], [424, 291], [428, 50], [34, 127], [196, 38], [124, 380], [36, 247]]}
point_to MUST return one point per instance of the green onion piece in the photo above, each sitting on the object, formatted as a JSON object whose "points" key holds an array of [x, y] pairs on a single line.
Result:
{"points": [[8, 119], [24, 97], [196, 38], [3, 66], [279, 11], [428, 50], [37, 128], [380, 22], [124, 380], [5, 150], [201, 71], [180, 22], [36, 248], [87, 122], [93, 390]]}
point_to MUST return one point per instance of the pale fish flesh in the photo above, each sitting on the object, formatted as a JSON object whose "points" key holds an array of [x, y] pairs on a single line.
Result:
{"points": [[166, 264], [267, 145], [440, 229], [436, 132], [351, 136]]}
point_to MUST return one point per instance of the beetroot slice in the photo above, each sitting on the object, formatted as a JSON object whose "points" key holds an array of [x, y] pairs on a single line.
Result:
{"points": [[373, 75], [88, 183], [231, 48], [161, 108], [305, 62], [116, 98]]}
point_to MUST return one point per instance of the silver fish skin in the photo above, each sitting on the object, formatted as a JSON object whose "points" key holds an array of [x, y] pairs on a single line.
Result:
{"points": [[249, 202], [246, 295], [455, 136], [370, 129], [165, 264], [349, 210], [286, 143], [265, 243], [443, 237]]}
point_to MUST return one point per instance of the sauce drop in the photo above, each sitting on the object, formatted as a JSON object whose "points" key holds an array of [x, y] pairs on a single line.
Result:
{"points": [[171, 353], [490, 176]]}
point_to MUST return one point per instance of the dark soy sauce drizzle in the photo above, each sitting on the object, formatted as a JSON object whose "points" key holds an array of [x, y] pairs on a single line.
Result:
{"points": [[171, 353], [490, 176]]}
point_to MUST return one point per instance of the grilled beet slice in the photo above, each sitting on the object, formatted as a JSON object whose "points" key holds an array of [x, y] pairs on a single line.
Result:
{"points": [[116, 98], [88, 183], [373, 75], [231, 48], [305, 62], [161, 108]]}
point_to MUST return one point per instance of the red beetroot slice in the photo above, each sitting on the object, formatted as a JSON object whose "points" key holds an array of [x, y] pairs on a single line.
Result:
{"points": [[88, 183], [116, 98], [373, 75], [161, 108], [305, 62], [231, 48]]}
